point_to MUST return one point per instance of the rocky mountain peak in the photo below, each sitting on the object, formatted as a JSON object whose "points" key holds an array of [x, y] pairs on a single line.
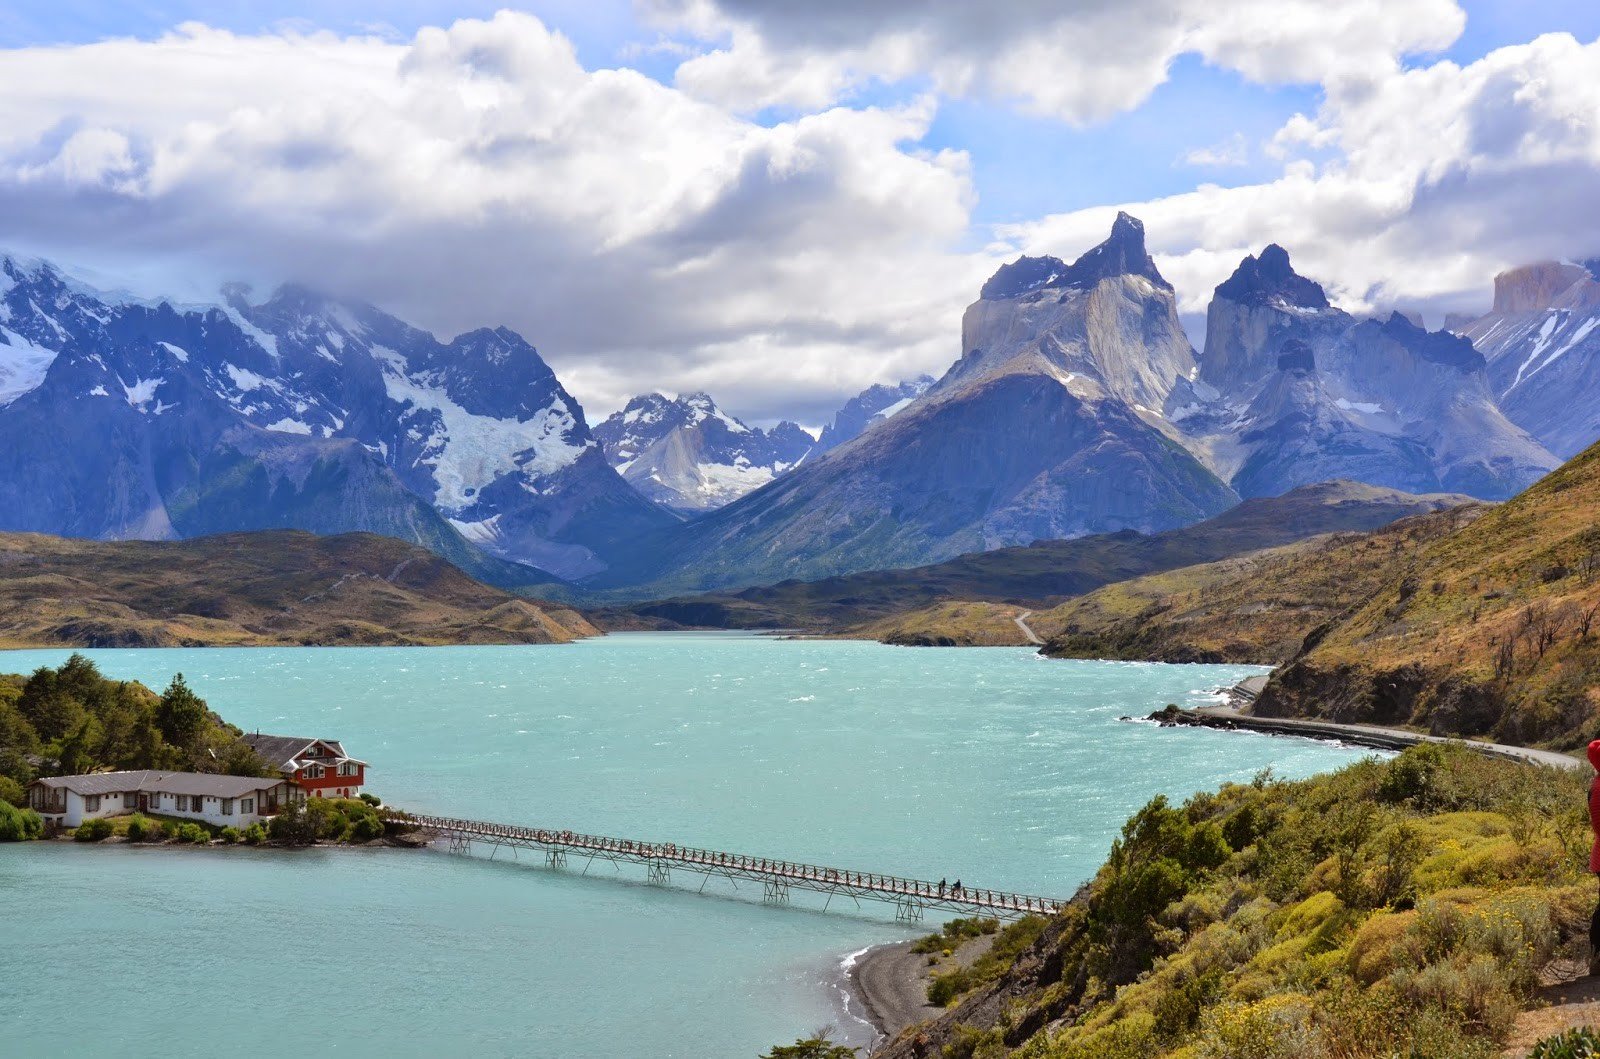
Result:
{"points": [[1440, 347], [873, 405], [1122, 254], [1271, 278], [690, 455], [1532, 288]]}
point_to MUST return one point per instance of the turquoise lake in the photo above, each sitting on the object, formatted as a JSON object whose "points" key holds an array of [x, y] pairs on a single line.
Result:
{"points": [[995, 766]]}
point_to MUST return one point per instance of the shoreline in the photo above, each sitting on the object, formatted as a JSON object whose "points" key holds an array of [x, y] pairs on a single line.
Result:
{"points": [[1376, 737], [888, 983]]}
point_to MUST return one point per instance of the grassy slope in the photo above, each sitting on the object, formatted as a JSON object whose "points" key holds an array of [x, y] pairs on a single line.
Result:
{"points": [[1257, 608], [1392, 908], [1494, 629], [271, 587], [1046, 573], [955, 624]]}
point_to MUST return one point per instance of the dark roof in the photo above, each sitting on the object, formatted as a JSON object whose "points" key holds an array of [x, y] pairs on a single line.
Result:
{"points": [[284, 751], [277, 750], [166, 782]]}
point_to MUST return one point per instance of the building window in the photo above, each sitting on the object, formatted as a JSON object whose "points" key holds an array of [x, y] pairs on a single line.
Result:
{"points": [[155, 799], [227, 807], [91, 803], [313, 772], [130, 799], [197, 804], [247, 805]]}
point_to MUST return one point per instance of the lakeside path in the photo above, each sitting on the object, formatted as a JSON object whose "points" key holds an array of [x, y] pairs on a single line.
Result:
{"points": [[1027, 630], [1365, 735]]}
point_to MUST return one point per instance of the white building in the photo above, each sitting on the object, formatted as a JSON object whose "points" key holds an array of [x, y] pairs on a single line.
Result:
{"points": [[240, 801]]}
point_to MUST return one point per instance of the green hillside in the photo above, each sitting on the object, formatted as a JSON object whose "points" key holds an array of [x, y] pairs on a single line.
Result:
{"points": [[1492, 630], [1256, 608]]}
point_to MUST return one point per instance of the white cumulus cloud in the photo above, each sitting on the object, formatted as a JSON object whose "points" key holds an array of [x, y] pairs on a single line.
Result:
{"points": [[1439, 177], [1081, 61], [479, 174]]}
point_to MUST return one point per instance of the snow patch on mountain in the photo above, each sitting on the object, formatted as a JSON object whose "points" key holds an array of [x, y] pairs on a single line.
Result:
{"points": [[468, 452], [142, 392], [23, 364], [688, 454]]}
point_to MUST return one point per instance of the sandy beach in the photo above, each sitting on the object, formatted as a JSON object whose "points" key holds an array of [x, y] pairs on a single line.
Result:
{"points": [[891, 982]]}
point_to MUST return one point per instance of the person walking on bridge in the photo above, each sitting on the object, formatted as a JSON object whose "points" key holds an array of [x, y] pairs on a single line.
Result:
{"points": [[941, 887]]}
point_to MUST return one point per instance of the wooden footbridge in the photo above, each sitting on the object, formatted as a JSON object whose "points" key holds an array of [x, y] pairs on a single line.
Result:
{"points": [[911, 897]]}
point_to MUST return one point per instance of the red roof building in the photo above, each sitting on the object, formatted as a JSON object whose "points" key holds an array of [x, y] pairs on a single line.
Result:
{"points": [[315, 768]]}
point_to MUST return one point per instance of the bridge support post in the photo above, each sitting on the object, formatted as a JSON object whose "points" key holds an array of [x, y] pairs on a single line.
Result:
{"points": [[908, 910], [774, 892], [460, 843], [555, 858], [658, 873]]}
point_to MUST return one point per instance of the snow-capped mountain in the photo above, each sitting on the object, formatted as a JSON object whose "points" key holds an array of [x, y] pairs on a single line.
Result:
{"points": [[868, 408], [300, 412], [1036, 432], [690, 455], [1542, 342], [1291, 391]]}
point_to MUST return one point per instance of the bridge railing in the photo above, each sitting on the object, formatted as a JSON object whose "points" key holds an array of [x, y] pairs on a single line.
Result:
{"points": [[698, 858]]}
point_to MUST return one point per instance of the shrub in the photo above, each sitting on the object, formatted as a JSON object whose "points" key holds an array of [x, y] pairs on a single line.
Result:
{"points": [[371, 799], [945, 988], [295, 826], [138, 828], [93, 830], [19, 825], [255, 834], [1580, 1043], [1278, 1027], [12, 792], [365, 829], [230, 835], [193, 834]]}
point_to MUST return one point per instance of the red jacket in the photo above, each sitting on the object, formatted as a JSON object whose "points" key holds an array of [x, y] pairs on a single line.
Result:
{"points": [[1594, 807]]}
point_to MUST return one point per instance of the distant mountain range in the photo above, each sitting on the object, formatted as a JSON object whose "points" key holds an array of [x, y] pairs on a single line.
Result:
{"points": [[1291, 390], [691, 456], [1077, 407], [156, 421]]}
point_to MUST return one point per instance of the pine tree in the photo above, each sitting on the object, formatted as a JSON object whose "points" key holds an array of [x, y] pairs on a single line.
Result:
{"points": [[181, 716]]}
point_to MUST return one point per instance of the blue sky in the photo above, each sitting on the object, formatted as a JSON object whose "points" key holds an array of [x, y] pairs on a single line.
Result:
{"points": [[783, 208]]}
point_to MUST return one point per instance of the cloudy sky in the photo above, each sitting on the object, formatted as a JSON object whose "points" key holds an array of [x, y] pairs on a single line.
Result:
{"points": [[781, 203]]}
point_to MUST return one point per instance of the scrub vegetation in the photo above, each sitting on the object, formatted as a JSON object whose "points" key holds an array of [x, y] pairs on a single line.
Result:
{"points": [[1492, 630], [1405, 907]]}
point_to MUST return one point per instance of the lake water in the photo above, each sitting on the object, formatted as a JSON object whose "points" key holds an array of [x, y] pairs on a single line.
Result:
{"points": [[994, 766]]}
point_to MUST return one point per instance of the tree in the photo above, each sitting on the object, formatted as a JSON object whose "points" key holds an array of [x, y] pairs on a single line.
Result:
{"points": [[81, 750], [294, 826], [818, 1046], [181, 715]]}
